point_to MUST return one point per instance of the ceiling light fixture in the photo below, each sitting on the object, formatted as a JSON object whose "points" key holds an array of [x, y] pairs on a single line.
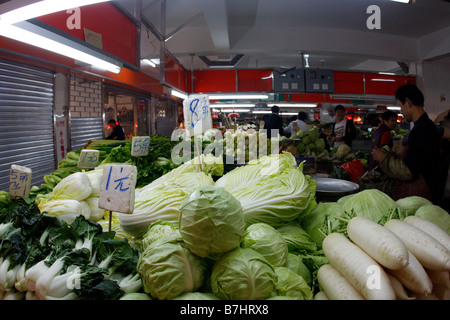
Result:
{"points": [[232, 110], [386, 80], [294, 105], [42, 8], [179, 94], [149, 62], [233, 105], [36, 36], [237, 96]]}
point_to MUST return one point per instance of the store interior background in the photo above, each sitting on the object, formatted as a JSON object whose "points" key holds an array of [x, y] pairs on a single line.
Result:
{"points": [[219, 46]]}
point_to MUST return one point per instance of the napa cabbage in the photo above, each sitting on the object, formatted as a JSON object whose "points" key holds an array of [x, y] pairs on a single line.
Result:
{"points": [[271, 189], [76, 186]]}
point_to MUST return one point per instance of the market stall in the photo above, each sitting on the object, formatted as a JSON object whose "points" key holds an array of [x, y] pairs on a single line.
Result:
{"points": [[282, 231]]}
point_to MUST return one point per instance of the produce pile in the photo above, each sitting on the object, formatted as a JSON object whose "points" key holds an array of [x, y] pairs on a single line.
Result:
{"points": [[256, 232]]}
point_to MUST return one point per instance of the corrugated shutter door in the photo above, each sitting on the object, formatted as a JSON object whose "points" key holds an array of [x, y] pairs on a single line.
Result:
{"points": [[26, 121], [84, 129]]}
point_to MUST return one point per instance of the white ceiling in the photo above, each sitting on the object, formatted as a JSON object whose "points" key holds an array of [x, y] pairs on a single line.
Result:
{"points": [[275, 33]]}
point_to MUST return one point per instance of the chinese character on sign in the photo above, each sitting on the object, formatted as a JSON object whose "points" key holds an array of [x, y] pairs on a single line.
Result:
{"points": [[88, 159], [19, 181], [117, 188], [197, 114], [140, 146]]}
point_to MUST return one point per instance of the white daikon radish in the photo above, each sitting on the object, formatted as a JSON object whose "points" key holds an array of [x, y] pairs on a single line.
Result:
{"points": [[378, 242], [400, 292], [363, 272], [414, 276], [431, 228], [440, 281], [335, 285], [321, 295], [430, 253]]}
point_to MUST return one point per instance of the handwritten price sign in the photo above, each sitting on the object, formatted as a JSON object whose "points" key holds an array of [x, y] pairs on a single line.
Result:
{"points": [[19, 181], [117, 188], [197, 114], [88, 159], [140, 146]]}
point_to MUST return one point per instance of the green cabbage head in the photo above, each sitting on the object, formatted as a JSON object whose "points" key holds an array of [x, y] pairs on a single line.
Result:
{"points": [[410, 204], [243, 274], [168, 269], [266, 240], [211, 221], [292, 285], [435, 214]]}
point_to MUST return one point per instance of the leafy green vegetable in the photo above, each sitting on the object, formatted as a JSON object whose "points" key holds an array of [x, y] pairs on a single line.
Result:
{"points": [[295, 263], [372, 204], [196, 296], [76, 186], [292, 285], [296, 238], [168, 269], [323, 220], [160, 229], [435, 214], [267, 241], [211, 221], [410, 204], [243, 274], [271, 189]]}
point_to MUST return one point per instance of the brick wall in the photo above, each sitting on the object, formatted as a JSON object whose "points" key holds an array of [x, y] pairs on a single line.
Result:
{"points": [[85, 98]]}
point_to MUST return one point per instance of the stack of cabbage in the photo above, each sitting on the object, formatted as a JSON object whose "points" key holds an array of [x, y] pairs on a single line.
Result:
{"points": [[237, 239]]}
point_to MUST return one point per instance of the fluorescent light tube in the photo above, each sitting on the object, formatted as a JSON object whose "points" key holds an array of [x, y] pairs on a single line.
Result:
{"points": [[42, 8], [149, 62], [402, 1], [36, 36], [394, 108], [237, 111], [230, 105], [386, 80], [294, 105], [237, 96], [179, 94], [261, 112]]}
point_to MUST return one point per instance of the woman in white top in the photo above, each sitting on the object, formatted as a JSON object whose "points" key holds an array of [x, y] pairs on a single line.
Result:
{"points": [[297, 125]]}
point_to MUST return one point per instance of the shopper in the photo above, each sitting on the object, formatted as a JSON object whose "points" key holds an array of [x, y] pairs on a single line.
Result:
{"points": [[344, 130], [298, 124], [117, 131], [382, 137], [419, 170], [274, 122]]}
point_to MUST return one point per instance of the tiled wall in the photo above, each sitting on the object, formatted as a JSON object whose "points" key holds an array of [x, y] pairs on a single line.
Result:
{"points": [[85, 98]]}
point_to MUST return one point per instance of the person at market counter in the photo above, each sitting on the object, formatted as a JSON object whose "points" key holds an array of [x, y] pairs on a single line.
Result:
{"points": [[117, 131], [382, 137], [419, 170], [344, 130], [298, 124], [274, 122]]}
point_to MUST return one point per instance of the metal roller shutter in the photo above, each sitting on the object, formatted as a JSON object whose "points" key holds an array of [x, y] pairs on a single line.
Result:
{"points": [[26, 121], [84, 129]]}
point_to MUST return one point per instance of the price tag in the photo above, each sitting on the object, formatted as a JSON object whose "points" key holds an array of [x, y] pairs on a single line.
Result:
{"points": [[197, 114], [88, 159], [117, 188], [140, 146], [19, 181]]}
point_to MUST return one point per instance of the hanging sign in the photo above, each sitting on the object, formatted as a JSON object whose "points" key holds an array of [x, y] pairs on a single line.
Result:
{"points": [[19, 181], [117, 188], [197, 115], [88, 159], [140, 146]]}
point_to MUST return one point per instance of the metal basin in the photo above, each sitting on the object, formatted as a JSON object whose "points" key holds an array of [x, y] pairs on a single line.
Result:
{"points": [[329, 189]]}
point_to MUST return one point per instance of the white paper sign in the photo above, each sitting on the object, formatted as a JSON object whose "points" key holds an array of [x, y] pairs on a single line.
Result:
{"points": [[19, 181], [197, 115], [140, 146], [88, 159], [117, 188]]}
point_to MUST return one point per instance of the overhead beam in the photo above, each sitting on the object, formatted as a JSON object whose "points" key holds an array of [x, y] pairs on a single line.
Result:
{"points": [[216, 16]]}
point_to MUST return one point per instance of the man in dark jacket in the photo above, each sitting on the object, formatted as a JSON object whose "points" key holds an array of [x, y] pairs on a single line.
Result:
{"points": [[274, 122], [418, 171], [117, 133]]}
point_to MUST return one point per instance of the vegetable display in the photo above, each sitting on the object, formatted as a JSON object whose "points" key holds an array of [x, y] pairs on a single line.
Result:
{"points": [[254, 232]]}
